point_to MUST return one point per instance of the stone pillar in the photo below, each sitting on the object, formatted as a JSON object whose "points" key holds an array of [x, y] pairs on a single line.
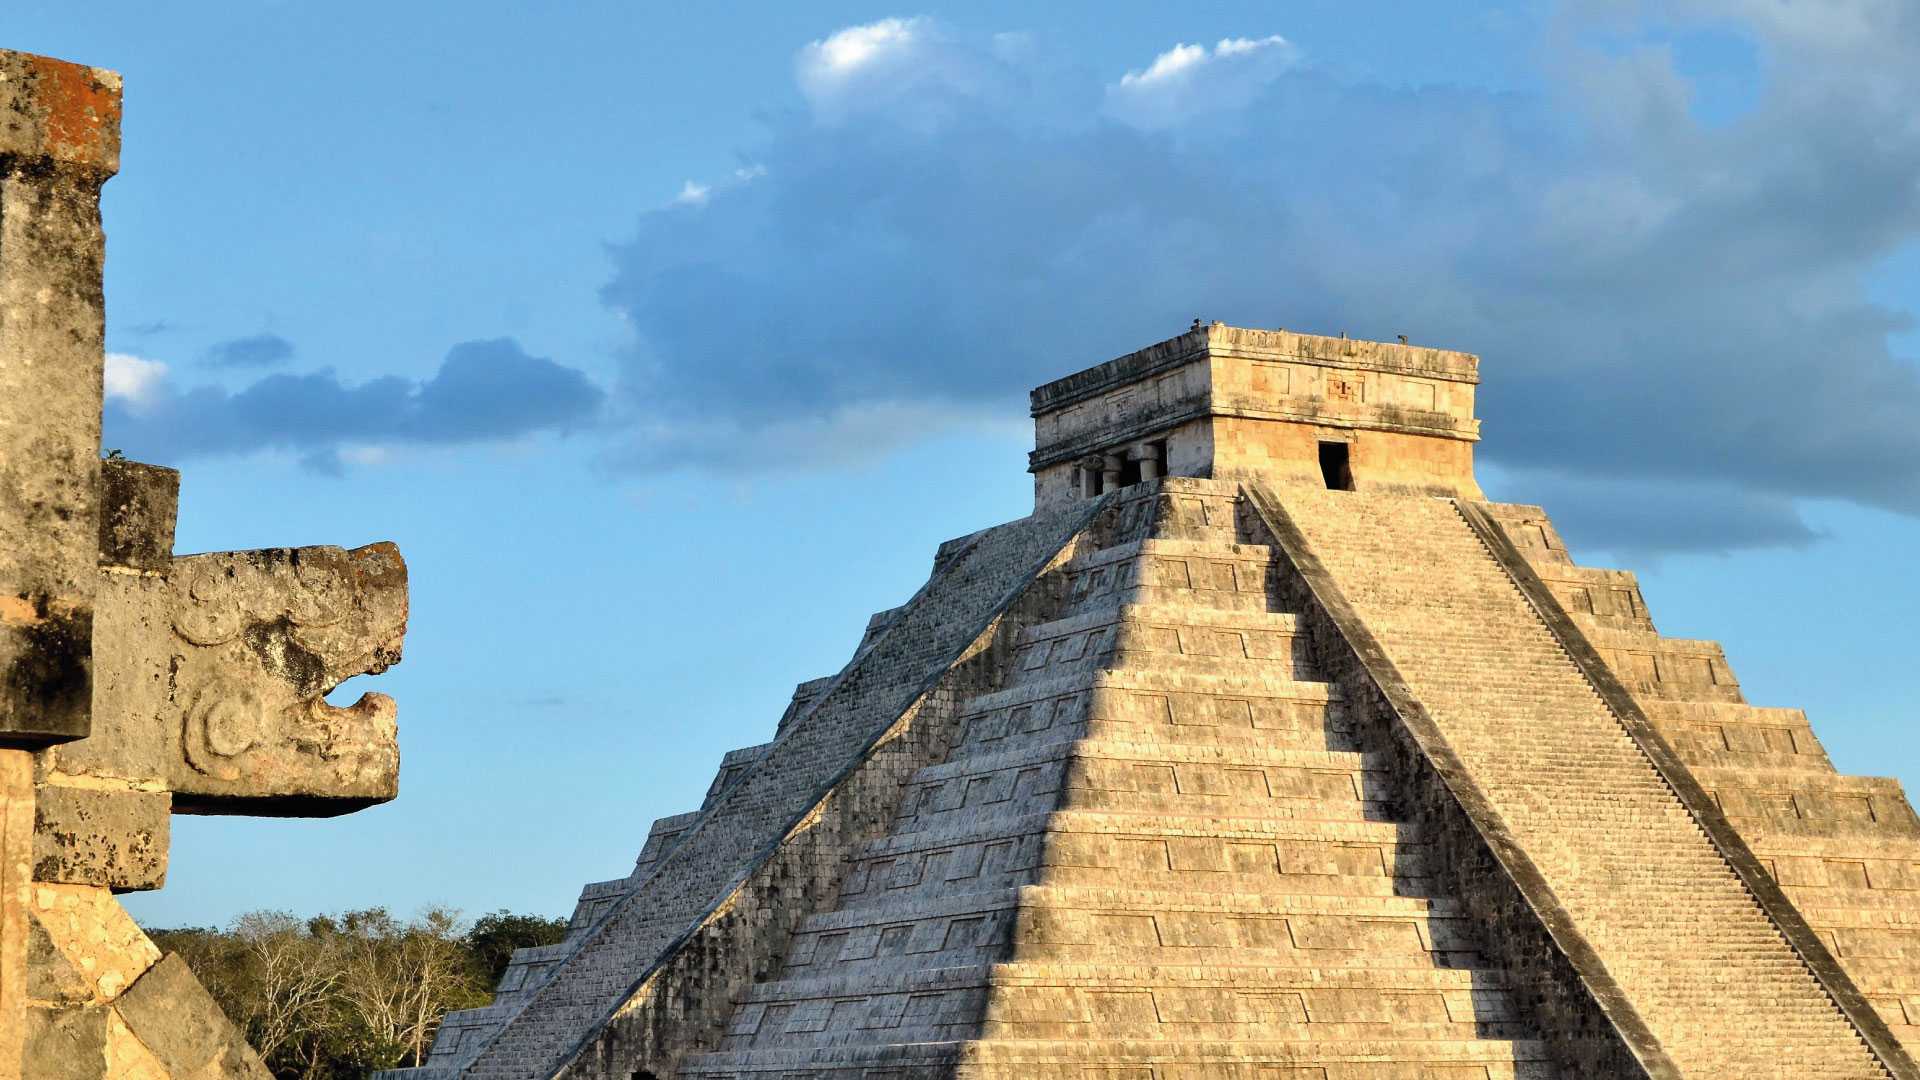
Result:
{"points": [[59, 142], [1110, 466], [1150, 465]]}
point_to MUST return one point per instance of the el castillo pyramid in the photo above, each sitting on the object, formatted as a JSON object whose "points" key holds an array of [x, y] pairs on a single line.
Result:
{"points": [[1265, 749]]}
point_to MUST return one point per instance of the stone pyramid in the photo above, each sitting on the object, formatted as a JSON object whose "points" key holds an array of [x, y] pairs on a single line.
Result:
{"points": [[1265, 749]]}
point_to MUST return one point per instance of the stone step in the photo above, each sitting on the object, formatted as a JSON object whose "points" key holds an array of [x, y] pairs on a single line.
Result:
{"points": [[1263, 686], [1144, 925], [1674, 669], [1096, 973], [1116, 746], [1240, 780], [1597, 597], [660, 839], [1377, 1058], [1841, 906], [1170, 615], [1176, 720], [1127, 1017], [1172, 640], [1217, 575], [1187, 832], [1810, 802]]}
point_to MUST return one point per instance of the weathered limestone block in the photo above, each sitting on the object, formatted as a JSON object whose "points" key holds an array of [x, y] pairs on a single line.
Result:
{"points": [[138, 505], [133, 644], [67, 1042], [260, 637], [179, 1023], [93, 940], [88, 836]]}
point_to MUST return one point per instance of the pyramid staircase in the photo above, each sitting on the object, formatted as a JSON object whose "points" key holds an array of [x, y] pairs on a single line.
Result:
{"points": [[1717, 986], [1844, 850], [1162, 840]]}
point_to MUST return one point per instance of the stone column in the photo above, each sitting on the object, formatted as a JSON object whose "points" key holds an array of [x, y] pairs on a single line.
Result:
{"points": [[59, 142], [1110, 466], [1150, 462]]}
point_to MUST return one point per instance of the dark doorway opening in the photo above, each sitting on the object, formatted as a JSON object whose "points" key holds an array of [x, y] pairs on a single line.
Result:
{"points": [[1334, 467], [1129, 473], [643, 1074]]}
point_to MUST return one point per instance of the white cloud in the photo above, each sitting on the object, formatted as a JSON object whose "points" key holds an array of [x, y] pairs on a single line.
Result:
{"points": [[133, 379], [1640, 284], [693, 194], [857, 46], [1191, 81], [1168, 65], [1243, 46], [910, 70], [831, 69]]}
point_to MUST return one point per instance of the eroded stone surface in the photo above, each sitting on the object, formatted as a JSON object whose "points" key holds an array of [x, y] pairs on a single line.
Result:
{"points": [[59, 141], [95, 939], [112, 837], [259, 638], [67, 1042], [138, 505], [176, 1021]]}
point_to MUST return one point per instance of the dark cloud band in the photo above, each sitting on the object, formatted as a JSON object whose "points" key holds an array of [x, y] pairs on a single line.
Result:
{"points": [[484, 391]]}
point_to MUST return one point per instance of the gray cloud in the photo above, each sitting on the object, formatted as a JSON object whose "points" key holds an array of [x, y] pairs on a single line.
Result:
{"points": [[484, 391], [254, 351], [1628, 516], [1665, 306]]}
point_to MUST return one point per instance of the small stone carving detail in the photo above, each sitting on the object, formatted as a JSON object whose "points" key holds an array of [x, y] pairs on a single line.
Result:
{"points": [[224, 721]]}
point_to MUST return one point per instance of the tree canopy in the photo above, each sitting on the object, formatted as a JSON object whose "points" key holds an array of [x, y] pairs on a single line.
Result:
{"points": [[335, 997]]}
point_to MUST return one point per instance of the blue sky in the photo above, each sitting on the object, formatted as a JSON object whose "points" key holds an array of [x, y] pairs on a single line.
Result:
{"points": [[668, 340]]}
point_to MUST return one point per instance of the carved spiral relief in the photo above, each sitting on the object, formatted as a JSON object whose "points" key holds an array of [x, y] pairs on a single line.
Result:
{"points": [[225, 721], [210, 613]]}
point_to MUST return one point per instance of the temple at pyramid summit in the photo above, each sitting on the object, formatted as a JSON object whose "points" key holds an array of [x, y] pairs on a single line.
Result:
{"points": [[1264, 749]]}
